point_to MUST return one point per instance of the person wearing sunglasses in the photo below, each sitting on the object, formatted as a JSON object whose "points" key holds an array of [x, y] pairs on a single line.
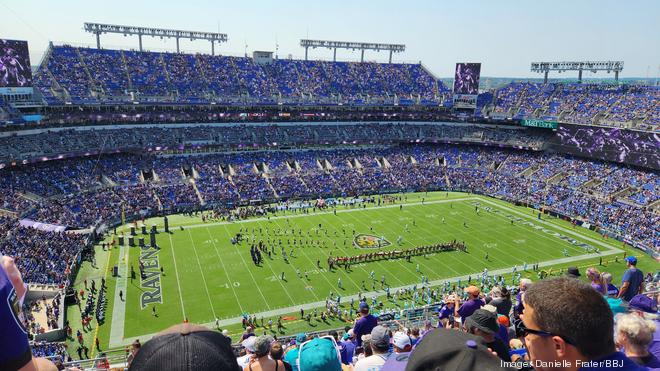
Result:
{"points": [[567, 325]]}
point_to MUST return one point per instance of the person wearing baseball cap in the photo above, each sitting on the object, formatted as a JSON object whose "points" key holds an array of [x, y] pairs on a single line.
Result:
{"points": [[15, 352], [347, 347], [573, 272], [484, 323], [445, 349], [380, 345], [632, 281], [469, 306], [186, 347], [248, 345], [402, 342], [291, 355], [365, 323], [319, 354]]}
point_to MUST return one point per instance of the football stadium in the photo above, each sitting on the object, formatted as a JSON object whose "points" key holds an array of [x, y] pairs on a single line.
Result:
{"points": [[174, 198]]}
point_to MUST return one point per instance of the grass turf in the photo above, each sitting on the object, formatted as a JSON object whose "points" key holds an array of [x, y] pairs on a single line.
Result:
{"points": [[206, 277]]}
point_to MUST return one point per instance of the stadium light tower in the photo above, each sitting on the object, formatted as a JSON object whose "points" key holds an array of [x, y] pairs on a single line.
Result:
{"points": [[593, 66], [334, 45], [99, 28]]}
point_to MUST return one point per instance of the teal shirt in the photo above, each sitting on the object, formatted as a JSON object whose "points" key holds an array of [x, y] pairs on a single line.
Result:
{"points": [[292, 358]]}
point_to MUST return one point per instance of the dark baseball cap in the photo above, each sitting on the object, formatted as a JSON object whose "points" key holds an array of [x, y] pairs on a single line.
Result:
{"points": [[186, 347], [632, 260], [572, 272], [484, 320], [451, 350]]}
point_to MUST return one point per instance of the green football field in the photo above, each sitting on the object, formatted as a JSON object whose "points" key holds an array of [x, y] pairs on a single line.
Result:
{"points": [[205, 276]]}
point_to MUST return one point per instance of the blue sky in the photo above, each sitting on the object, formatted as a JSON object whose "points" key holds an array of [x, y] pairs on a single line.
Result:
{"points": [[504, 35]]}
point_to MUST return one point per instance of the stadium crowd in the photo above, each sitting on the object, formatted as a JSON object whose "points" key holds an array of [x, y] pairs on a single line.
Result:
{"points": [[85, 75], [80, 193], [603, 104]]}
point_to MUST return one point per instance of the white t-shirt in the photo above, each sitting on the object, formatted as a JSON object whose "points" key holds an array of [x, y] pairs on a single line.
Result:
{"points": [[372, 363], [244, 360]]}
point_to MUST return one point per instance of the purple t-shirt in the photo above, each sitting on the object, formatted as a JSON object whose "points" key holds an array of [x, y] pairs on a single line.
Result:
{"points": [[364, 326], [518, 309], [346, 350], [13, 339], [469, 307], [612, 290], [445, 312]]}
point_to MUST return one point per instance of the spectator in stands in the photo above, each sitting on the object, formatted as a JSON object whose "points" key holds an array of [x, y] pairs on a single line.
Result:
{"points": [[573, 272], [249, 346], [186, 347], [647, 308], [473, 303], [365, 323], [132, 352], [523, 286], [596, 280], [401, 342], [612, 291], [277, 354], [291, 355], [500, 298], [483, 323], [249, 331], [634, 334], [632, 281], [445, 349], [566, 321], [365, 350], [261, 360], [347, 347], [15, 350], [320, 354], [380, 346], [415, 332]]}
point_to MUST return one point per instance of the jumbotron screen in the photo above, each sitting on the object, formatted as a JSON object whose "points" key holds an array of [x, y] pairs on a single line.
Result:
{"points": [[466, 78], [15, 70], [612, 144]]}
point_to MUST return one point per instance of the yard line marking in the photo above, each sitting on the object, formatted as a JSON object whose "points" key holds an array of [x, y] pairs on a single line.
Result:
{"points": [[206, 287], [230, 283], [176, 273], [460, 261], [247, 268], [397, 260], [332, 286], [380, 263], [540, 234], [280, 281], [434, 283], [552, 225], [285, 216]]}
